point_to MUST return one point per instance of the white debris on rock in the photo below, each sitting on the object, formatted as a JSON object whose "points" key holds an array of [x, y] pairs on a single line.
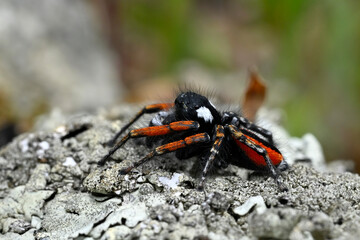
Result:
{"points": [[44, 145], [307, 148], [24, 145], [313, 150], [257, 202], [69, 162], [61, 129], [171, 183]]}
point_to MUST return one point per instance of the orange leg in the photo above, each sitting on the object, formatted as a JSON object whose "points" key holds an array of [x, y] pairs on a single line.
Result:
{"points": [[152, 131], [169, 147], [152, 108]]}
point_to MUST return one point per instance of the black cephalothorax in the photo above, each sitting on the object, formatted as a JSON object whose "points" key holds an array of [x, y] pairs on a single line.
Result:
{"points": [[192, 126]]}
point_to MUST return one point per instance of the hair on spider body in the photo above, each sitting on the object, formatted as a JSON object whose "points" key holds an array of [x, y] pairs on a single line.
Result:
{"points": [[192, 126]]}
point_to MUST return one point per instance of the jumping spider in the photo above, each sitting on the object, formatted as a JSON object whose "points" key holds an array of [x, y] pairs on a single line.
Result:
{"points": [[192, 126]]}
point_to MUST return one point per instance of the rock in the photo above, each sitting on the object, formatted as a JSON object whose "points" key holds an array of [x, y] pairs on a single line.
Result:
{"points": [[308, 148], [127, 214], [274, 223], [15, 236], [15, 225], [38, 178], [118, 232], [72, 214], [218, 201], [60, 192], [146, 189], [20, 202], [46, 59], [317, 226]]}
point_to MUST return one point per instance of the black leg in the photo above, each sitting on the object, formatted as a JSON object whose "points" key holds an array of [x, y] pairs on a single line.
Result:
{"points": [[213, 153], [266, 133]]}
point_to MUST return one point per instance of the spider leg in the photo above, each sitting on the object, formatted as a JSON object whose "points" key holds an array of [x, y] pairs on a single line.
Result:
{"points": [[213, 153], [152, 131], [152, 108], [241, 137], [169, 147], [266, 133]]}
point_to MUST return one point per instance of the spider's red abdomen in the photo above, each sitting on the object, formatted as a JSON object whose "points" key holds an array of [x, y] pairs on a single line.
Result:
{"points": [[258, 159]]}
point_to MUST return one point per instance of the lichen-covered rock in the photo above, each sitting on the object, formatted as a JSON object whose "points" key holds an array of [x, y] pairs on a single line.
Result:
{"points": [[20, 202], [73, 214], [79, 64], [274, 223], [52, 188]]}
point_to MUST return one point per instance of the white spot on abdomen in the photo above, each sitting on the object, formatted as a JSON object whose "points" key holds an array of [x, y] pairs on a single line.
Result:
{"points": [[205, 114]]}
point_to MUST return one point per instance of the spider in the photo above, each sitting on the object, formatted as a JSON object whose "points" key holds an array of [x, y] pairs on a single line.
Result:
{"points": [[192, 126]]}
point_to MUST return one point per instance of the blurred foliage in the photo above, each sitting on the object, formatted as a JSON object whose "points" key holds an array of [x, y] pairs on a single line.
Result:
{"points": [[319, 55], [308, 50]]}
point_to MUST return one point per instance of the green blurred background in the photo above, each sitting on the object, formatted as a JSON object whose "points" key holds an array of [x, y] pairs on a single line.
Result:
{"points": [[63, 53], [307, 50]]}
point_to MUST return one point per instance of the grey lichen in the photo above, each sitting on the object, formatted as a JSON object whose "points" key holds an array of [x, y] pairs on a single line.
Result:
{"points": [[52, 188]]}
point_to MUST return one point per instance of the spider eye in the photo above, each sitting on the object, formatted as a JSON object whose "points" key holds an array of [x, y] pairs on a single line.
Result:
{"points": [[235, 121], [243, 120]]}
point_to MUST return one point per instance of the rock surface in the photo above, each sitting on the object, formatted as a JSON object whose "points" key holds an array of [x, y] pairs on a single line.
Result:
{"points": [[52, 188], [53, 54]]}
